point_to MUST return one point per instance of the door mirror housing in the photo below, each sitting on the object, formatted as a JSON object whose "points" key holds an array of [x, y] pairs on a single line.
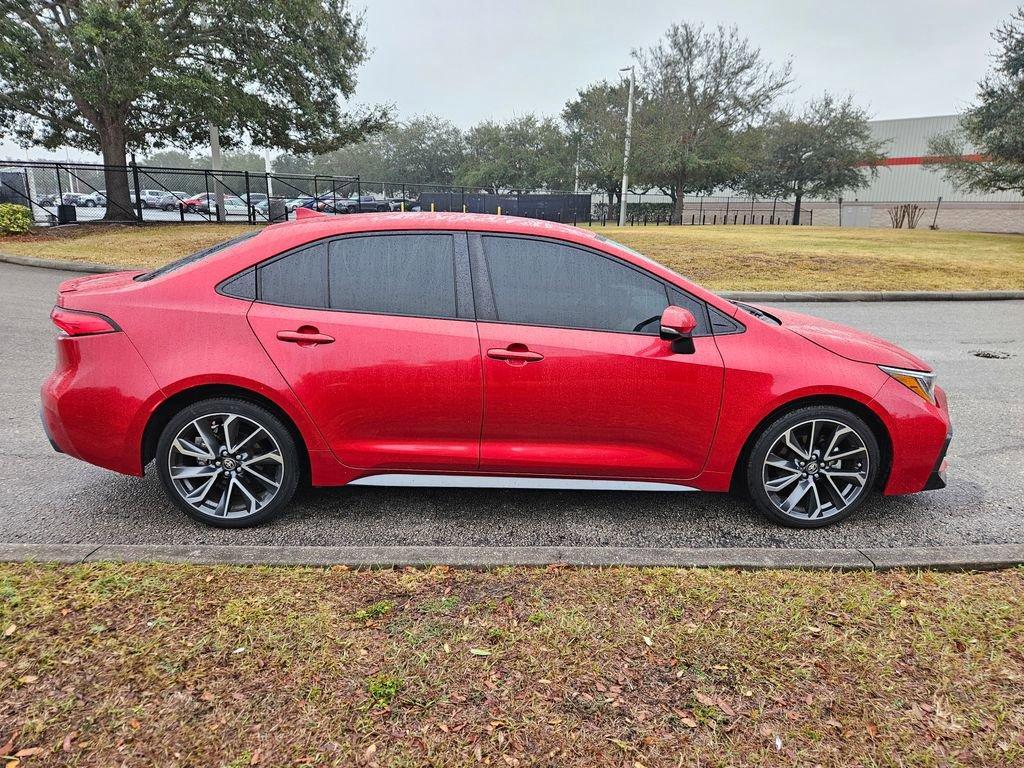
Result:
{"points": [[677, 323]]}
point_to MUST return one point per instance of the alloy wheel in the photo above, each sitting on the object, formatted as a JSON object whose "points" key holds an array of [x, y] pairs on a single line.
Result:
{"points": [[225, 465], [816, 469]]}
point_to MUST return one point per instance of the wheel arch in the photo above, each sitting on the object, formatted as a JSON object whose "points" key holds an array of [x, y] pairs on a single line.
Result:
{"points": [[863, 411], [164, 412]]}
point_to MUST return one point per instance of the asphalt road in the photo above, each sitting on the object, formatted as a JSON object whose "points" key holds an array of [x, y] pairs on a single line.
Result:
{"points": [[50, 498]]}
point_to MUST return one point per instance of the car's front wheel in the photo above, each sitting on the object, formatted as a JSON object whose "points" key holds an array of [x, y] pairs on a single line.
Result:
{"points": [[227, 462], [813, 466]]}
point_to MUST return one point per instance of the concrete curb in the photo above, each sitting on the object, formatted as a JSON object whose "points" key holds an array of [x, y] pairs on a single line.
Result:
{"points": [[972, 557], [772, 297], [63, 266], [767, 296]]}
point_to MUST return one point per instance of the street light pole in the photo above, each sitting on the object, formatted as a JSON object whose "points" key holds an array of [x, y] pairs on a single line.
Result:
{"points": [[215, 165], [625, 154]]}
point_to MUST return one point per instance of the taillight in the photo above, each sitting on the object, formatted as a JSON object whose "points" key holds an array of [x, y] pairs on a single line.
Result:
{"points": [[77, 322]]}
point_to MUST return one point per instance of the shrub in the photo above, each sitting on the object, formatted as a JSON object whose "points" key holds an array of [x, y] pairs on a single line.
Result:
{"points": [[14, 219]]}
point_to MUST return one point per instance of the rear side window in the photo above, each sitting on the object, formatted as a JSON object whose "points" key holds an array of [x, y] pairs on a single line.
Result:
{"points": [[394, 275], [537, 282], [298, 279]]}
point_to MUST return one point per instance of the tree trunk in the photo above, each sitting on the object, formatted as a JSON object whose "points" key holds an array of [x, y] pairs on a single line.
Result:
{"points": [[796, 209], [115, 175], [677, 196]]}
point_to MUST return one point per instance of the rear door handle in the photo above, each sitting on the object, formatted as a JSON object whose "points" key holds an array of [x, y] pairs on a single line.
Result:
{"points": [[305, 336], [515, 353]]}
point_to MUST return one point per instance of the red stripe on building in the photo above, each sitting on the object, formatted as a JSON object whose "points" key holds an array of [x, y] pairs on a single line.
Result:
{"points": [[922, 159]]}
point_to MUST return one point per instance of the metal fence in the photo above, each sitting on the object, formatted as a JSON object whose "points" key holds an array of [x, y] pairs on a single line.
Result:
{"points": [[68, 192]]}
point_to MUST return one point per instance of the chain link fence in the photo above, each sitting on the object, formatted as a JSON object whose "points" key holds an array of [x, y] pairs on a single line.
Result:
{"points": [[65, 193]]}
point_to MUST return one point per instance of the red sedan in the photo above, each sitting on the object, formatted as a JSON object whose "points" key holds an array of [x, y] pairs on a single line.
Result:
{"points": [[468, 350]]}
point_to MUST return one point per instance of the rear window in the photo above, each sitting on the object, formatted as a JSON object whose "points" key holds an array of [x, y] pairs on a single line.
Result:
{"points": [[197, 256]]}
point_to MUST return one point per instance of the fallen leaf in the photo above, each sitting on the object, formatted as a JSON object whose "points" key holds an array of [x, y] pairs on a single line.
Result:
{"points": [[28, 752], [649, 642], [239, 649], [28, 679], [370, 751], [689, 722], [257, 755], [66, 746], [11, 629], [872, 729], [479, 652], [707, 701]]}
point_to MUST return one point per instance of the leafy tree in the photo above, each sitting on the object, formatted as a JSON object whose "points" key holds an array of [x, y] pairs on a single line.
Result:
{"points": [[596, 119], [172, 158], [522, 154], [994, 126], [819, 153], [112, 76], [699, 90]]}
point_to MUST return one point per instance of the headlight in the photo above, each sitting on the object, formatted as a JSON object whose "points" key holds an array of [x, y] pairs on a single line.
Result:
{"points": [[918, 382]]}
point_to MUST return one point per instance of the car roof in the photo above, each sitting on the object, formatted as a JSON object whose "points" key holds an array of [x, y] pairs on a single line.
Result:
{"points": [[315, 226]]}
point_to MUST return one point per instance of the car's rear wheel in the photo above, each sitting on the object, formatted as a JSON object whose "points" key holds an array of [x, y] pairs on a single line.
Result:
{"points": [[813, 466], [227, 462]]}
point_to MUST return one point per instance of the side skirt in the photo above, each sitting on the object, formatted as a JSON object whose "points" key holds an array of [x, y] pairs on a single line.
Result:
{"points": [[502, 481]]}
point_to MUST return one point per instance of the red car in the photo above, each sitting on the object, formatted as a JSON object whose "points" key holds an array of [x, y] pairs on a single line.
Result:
{"points": [[468, 350]]}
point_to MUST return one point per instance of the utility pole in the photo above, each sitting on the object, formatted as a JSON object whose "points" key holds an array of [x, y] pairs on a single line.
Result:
{"points": [[625, 154], [576, 182], [215, 164]]}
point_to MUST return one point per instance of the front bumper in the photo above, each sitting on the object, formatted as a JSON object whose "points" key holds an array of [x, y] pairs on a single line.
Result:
{"points": [[937, 479], [919, 433]]}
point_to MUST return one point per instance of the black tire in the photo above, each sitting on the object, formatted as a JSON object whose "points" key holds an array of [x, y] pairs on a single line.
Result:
{"points": [[279, 437], [847, 472]]}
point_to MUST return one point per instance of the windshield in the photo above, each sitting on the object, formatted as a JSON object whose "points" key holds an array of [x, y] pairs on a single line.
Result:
{"points": [[197, 256]]}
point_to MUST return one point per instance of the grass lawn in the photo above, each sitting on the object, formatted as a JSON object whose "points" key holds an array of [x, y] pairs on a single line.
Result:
{"points": [[721, 258], [110, 664]]}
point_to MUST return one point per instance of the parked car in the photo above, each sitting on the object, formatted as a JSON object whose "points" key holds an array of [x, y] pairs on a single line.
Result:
{"points": [[206, 203], [403, 203], [475, 351], [362, 204], [151, 198], [74, 198], [298, 202], [169, 201], [95, 199]]}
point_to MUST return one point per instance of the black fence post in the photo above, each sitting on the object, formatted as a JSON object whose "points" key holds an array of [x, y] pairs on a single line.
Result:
{"points": [[250, 212], [725, 219], [60, 188], [138, 192]]}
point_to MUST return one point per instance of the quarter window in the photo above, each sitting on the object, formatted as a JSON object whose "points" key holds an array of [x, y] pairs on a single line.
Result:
{"points": [[394, 274], [536, 282]]}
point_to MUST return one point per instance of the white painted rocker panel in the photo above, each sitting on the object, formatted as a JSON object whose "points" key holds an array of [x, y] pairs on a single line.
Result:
{"points": [[501, 481]]}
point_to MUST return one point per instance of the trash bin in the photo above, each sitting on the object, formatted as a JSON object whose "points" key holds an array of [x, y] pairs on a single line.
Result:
{"points": [[277, 211], [67, 214]]}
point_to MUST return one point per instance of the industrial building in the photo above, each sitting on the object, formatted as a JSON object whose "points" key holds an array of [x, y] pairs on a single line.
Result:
{"points": [[905, 178]]}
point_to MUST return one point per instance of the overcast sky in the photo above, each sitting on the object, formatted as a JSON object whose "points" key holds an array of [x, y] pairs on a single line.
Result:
{"points": [[471, 60]]}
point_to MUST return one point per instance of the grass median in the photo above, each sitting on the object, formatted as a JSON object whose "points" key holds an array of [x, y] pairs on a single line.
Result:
{"points": [[185, 665], [720, 257]]}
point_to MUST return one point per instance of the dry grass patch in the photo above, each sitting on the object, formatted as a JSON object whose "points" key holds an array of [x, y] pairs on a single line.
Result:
{"points": [[110, 664], [721, 258], [127, 245], [831, 258]]}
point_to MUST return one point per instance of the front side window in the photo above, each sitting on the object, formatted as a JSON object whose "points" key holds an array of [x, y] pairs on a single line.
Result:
{"points": [[538, 282], [395, 274]]}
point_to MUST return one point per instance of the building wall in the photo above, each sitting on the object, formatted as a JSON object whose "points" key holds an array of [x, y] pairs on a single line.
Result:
{"points": [[904, 177]]}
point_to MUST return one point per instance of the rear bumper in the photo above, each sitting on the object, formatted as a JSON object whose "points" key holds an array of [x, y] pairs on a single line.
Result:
{"points": [[96, 401]]}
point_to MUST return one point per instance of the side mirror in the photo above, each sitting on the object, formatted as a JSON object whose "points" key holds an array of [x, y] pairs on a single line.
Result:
{"points": [[677, 323]]}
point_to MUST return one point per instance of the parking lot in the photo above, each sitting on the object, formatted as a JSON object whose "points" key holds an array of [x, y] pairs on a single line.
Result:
{"points": [[52, 498]]}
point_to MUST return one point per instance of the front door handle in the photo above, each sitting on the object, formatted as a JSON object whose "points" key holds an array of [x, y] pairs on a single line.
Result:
{"points": [[305, 336], [515, 353]]}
